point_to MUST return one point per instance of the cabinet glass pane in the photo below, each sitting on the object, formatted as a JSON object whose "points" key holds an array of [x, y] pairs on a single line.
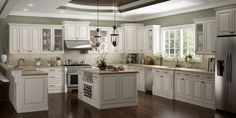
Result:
{"points": [[46, 39], [199, 38], [103, 41], [150, 38], [58, 43]]}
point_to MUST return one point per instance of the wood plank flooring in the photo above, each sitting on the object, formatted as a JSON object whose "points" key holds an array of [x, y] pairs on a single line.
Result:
{"points": [[68, 106]]}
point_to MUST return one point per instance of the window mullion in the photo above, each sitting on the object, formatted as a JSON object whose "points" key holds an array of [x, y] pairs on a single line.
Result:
{"points": [[181, 43]]}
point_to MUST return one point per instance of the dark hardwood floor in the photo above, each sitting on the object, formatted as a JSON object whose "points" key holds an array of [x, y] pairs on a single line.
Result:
{"points": [[68, 106]]}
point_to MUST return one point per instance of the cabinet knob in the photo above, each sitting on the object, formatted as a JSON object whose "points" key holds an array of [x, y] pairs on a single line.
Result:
{"points": [[18, 50], [182, 79], [203, 82], [161, 76]]}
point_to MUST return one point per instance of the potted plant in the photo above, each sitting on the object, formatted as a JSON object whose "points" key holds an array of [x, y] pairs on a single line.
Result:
{"points": [[160, 58], [4, 56], [189, 59], [101, 61]]}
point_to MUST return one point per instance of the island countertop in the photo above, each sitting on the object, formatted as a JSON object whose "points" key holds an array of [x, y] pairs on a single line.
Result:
{"points": [[103, 72], [33, 73]]}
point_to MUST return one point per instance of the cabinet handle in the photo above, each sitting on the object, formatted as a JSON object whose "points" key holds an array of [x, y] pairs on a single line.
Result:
{"points": [[197, 75], [182, 79], [203, 82], [18, 50], [161, 76], [208, 77], [51, 70]]}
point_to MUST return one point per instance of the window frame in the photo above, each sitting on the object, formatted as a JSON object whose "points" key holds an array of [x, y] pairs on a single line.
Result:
{"points": [[163, 41]]}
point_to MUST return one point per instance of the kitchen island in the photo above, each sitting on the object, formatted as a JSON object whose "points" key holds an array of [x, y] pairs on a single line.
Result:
{"points": [[28, 90], [108, 89]]}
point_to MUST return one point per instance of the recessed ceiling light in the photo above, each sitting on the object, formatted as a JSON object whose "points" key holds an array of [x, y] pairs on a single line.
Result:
{"points": [[62, 12], [25, 9], [30, 5]]}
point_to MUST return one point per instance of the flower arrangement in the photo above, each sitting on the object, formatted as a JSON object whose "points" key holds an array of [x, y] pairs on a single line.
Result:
{"points": [[101, 61]]}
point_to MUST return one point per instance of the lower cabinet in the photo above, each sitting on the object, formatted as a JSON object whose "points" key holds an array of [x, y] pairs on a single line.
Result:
{"points": [[163, 83], [56, 83], [140, 77], [196, 89]]}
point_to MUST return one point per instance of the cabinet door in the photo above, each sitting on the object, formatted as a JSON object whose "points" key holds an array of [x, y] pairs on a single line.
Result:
{"points": [[234, 21], [209, 92], [25, 40], [197, 90], [71, 32], [128, 88], [149, 40], [167, 84], [57, 39], [35, 38], [200, 39], [140, 41], [110, 89], [129, 39], [83, 32], [158, 80], [210, 36], [121, 45], [224, 22], [178, 86], [46, 39], [187, 88], [14, 39]]}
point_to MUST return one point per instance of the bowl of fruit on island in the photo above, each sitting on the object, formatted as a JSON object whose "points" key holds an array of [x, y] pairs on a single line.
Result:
{"points": [[115, 68]]}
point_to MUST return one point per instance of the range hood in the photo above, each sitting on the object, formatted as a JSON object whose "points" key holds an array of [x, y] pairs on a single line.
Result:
{"points": [[77, 45]]}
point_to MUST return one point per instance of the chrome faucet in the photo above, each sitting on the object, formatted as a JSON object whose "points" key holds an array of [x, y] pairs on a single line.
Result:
{"points": [[18, 62]]}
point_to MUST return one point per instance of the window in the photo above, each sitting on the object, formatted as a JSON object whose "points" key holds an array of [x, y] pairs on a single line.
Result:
{"points": [[179, 41]]}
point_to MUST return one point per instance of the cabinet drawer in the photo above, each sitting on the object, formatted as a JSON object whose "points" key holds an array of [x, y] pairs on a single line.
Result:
{"points": [[166, 72], [179, 74], [55, 77], [187, 75], [57, 81], [52, 70], [209, 77], [198, 76]]}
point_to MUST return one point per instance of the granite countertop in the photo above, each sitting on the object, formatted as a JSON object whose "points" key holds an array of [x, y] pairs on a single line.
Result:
{"points": [[102, 72], [33, 73], [170, 68]]}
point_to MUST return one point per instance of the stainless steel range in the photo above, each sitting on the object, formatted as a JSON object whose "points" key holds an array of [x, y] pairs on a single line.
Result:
{"points": [[72, 77]]}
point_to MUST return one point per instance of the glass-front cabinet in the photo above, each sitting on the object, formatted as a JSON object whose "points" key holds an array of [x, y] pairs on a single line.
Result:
{"points": [[199, 38], [52, 39]]}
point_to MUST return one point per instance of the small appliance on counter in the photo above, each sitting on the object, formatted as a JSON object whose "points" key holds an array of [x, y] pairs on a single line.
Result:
{"points": [[38, 62], [132, 58], [211, 65]]}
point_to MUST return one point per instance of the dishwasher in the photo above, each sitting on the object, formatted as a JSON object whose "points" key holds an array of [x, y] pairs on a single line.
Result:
{"points": [[148, 80]]}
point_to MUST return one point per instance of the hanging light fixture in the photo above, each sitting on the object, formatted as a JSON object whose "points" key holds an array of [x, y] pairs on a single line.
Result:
{"points": [[98, 35], [115, 33]]}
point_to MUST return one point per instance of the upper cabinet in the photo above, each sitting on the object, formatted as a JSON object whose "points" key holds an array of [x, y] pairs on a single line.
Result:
{"points": [[205, 36], [131, 37], [225, 20], [52, 40], [76, 30], [32, 38], [120, 48]]}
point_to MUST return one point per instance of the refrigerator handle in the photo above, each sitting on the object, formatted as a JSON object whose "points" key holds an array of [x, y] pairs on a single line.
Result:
{"points": [[230, 67], [226, 70]]}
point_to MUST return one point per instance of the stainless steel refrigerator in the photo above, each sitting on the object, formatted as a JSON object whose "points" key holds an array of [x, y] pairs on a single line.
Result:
{"points": [[225, 81]]}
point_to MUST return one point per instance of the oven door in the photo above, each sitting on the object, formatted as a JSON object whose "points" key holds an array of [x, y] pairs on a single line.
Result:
{"points": [[72, 80]]}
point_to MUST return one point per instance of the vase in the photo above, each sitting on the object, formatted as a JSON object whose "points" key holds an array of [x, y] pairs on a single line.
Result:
{"points": [[4, 58], [102, 67]]}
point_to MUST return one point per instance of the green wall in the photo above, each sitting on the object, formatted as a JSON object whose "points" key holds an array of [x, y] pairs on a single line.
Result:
{"points": [[185, 18]]}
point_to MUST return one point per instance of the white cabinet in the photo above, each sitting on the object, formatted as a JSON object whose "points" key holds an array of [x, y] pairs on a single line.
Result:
{"points": [[128, 88], [131, 37], [120, 48], [140, 77], [52, 40], [33, 38], [76, 30], [195, 88], [205, 36], [163, 83], [225, 21], [182, 85], [56, 79], [14, 33], [153, 41], [141, 40], [104, 40]]}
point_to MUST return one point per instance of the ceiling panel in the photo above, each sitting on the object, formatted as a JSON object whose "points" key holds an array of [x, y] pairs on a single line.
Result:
{"points": [[102, 2]]}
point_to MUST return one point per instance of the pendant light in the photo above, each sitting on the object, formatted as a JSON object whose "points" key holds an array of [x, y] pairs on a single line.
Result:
{"points": [[98, 35], [115, 33]]}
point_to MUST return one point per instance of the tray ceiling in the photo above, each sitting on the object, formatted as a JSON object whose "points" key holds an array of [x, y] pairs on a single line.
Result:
{"points": [[102, 2]]}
